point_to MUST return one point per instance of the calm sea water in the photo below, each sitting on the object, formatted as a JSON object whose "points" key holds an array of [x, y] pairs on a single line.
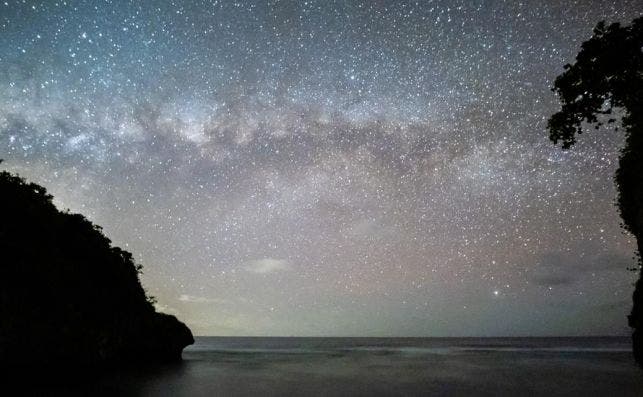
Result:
{"points": [[217, 366]]}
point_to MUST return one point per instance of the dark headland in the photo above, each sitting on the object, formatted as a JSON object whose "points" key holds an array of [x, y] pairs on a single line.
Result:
{"points": [[68, 298]]}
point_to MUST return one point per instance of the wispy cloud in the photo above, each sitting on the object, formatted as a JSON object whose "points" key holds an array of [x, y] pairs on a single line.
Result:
{"points": [[267, 265], [165, 309], [194, 299], [562, 268]]}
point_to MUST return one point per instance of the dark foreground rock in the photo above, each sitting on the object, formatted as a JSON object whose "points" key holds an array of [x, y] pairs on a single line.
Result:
{"points": [[636, 316], [67, 296]]}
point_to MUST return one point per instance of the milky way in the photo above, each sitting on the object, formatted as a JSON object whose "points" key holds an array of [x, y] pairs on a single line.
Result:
{"points": [[327, 167]]}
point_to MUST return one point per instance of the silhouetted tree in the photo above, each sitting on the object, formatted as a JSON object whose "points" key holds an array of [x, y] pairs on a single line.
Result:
{"points": [[607, 78], [67, 296]]}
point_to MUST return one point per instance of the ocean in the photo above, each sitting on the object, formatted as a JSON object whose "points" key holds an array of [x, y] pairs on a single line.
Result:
{"points": [[227, 366]]}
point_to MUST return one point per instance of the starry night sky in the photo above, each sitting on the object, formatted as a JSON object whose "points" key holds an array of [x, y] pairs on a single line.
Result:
{"points": [[327, 167]]}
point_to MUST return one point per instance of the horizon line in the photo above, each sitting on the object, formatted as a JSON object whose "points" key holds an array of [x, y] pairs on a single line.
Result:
{"points": [[413, 337]]}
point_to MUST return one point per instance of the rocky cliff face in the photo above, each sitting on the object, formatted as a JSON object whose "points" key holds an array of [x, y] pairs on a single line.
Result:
{"points": [[67, 296]]}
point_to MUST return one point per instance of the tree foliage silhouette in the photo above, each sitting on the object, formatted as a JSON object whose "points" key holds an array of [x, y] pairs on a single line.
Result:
{"points": [[607, 81], [66, 294]]}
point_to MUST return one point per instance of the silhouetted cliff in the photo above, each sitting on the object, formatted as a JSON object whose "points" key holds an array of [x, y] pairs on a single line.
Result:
{"points": [[605, 82], [67, 296]]}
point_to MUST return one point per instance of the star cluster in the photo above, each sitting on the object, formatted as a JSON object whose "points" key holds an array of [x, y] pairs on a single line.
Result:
{"points": [[327, 167]]}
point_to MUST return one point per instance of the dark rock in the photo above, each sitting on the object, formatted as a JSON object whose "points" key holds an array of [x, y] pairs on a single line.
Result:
{"points": [[67, 296]]}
